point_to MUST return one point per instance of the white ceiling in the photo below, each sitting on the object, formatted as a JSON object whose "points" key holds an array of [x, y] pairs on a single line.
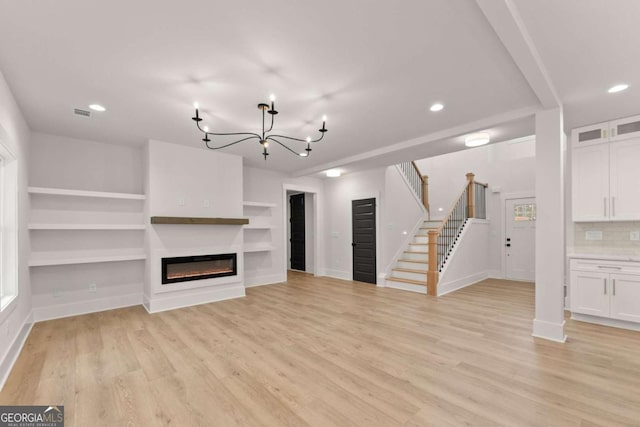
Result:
{"points": [[373, 67]]}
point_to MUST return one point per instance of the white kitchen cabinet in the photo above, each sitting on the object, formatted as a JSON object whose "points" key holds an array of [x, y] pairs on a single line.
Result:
{"points": [[590, 181], [622, 129], [606, 290], [590, 135], [624, 180]]}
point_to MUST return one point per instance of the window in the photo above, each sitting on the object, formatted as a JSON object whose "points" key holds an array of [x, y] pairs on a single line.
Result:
{"points": [[524, 212], [8, 227]]}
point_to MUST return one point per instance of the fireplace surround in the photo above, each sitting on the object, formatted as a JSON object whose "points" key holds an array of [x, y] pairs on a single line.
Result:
{"points": [[198, 267]]}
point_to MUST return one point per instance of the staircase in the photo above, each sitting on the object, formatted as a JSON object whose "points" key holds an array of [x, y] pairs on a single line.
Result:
{"points": [[410, 271]]}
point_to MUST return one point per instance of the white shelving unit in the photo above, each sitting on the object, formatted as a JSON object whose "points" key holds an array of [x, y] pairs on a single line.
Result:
{"points": [[55, 205], [257, 234]]}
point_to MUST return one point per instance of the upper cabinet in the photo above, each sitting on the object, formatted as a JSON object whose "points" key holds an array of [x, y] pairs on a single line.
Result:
{"points": [[605, 178]]}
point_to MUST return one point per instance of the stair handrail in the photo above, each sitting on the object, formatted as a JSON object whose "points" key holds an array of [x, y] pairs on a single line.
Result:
{"points": [[419, 183], [471, 203]]}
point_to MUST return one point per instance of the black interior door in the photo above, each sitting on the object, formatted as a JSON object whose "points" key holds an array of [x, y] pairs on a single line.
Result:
{"points": [[363, 220], [296, 203]]}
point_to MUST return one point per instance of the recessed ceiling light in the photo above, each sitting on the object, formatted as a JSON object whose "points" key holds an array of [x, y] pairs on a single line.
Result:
{"points": [[477, 139], [436, 107], [333, 173], [618, 88], [97, 107]]}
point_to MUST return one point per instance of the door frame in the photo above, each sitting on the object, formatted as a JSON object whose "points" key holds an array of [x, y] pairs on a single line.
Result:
{"points": [[367, 195], [289, 251], [316, 225], [503, 218]]}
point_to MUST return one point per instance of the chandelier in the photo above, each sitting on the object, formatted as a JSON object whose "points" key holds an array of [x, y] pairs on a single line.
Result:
{"points": [[265, 137]]}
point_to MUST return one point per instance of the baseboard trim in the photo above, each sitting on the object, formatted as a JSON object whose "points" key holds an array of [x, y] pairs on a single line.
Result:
{"points": [[604, 321], [406, 287], [250, 282], [339, 274], [445, 288], [172, 302], [14, 350], [549, 330], [51, 312]]}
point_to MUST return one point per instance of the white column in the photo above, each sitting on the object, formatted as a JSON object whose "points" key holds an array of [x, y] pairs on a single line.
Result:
{"points": [[550, 237]]}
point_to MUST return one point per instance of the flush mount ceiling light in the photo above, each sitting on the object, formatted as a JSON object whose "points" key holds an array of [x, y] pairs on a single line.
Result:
{"points": [[477, 139], [263, 138], [618, 88], [333, 173], [436, 107], [97, 107]]}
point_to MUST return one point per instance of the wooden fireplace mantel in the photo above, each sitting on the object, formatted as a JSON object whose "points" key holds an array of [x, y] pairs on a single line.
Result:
{"points": [[197, 220]]}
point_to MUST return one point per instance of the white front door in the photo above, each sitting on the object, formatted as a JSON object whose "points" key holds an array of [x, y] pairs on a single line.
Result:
{"points": [[520, 239]]}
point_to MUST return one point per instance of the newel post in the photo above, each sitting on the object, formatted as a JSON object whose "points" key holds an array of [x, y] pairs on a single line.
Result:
{"points": [[425, 194], [432, 272], [470, 196]]}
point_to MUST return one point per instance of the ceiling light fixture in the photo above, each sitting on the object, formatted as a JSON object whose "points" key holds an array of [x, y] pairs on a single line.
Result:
{"points": [[477, 139], [436, 107], [264, 137], [618, 88], [333, 173], [97, 107]]}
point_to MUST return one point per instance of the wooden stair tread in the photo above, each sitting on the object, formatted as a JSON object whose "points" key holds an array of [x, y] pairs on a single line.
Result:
{"points": [[410, 270], [411, 282], [412, 260], [415, 252]]}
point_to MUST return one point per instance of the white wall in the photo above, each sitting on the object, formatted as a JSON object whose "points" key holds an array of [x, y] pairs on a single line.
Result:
{"points": [[508, 168], [15, 319], [191, 182], [263, 185]]}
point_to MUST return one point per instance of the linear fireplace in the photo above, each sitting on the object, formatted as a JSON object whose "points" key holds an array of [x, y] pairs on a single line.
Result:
{"points": [[186, 268]]}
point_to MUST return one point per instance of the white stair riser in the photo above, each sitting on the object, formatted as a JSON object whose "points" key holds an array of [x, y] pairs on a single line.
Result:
{"points": [[413, 265], [421, 277], [418, 238], [406, 286], [418, 247], [415, 257], [431, 224]]}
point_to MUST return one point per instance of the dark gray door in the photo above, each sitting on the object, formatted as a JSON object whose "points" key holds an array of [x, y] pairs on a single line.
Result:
{"points": [[363, 220], [297, 239]]}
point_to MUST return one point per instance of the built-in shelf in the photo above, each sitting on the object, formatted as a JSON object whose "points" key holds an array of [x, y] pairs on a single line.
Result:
{"points": [[87, 226], [39, 259], [258, 248], [197, 220], [84, 193], [258, 227], [260, 204]]}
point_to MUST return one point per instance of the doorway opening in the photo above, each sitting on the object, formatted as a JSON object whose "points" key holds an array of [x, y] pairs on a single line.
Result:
{"points": [[363, 230], [520, 238], [300, 231]]}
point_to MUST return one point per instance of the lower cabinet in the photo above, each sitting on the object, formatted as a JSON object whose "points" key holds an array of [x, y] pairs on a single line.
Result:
{"points": [[606, 289]]}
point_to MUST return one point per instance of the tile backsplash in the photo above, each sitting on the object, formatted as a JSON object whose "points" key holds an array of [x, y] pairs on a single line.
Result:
{"points": [[615, 238]]}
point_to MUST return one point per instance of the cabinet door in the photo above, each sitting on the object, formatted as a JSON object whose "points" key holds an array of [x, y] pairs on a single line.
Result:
{"points": [[589, 135], [625, 180], [590, 293], [625, 297], [625, 128], [590, 183]]}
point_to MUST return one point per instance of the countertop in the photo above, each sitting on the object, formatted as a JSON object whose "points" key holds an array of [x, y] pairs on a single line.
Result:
{"points": [[606, 257]]}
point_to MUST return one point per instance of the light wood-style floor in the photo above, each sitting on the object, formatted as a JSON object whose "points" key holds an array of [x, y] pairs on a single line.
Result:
{"points": [[328, 352]]}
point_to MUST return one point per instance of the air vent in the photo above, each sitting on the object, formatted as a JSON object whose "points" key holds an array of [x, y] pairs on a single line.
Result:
{"points": [[82, 113]]}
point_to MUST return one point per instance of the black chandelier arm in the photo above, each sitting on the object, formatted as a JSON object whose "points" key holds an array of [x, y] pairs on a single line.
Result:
{"points": [[281, 144], [231, 143], [298, 139], [227, 134], [272, 120]]}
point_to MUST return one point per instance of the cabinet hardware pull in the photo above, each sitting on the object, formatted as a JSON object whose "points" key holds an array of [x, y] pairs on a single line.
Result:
{"points": [[610, 266], [605, 286], [614, 286], [613, 206]]}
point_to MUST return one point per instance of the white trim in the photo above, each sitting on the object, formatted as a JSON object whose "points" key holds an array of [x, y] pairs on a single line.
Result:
{"points": [[463, 282], [83, 193], [10, 357], [406, 286], [549, 330], [316, 221], [58, 311], [605, 321], [171, 302], [339, 274], [272, 279]]}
